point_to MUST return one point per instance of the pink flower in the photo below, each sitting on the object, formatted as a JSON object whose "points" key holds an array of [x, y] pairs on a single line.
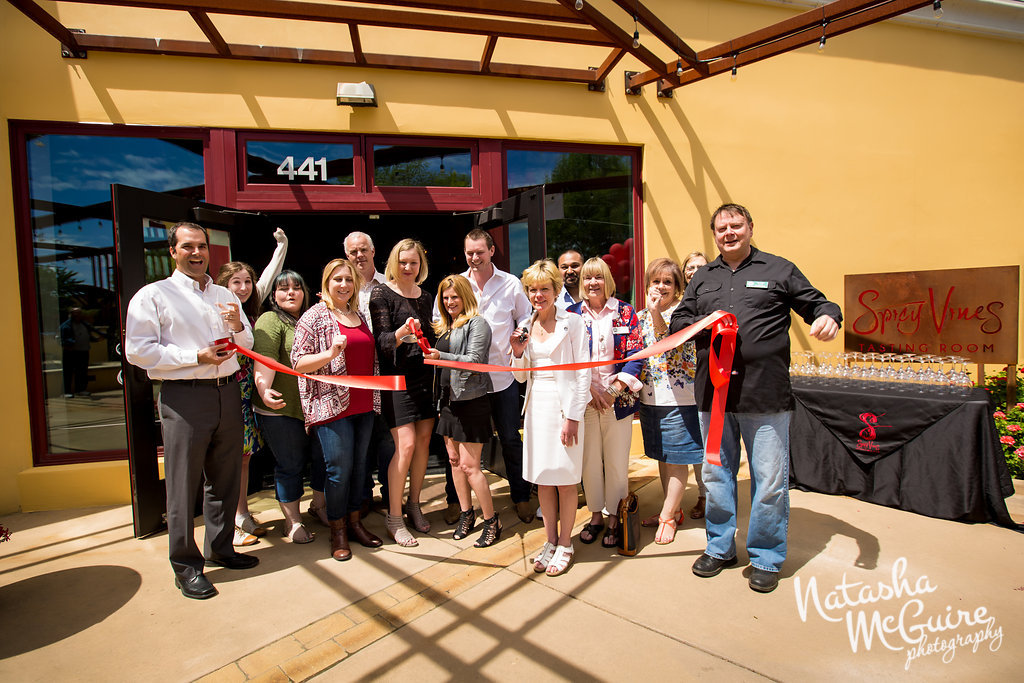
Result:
{"points": [[1020, 406], [1006, 439], [1000, 414], [1019, 452], [1013, 428]]}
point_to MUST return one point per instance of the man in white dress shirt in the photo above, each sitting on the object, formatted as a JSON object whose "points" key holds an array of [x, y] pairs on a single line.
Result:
{"points": [[569, 264], [503, 303], [176, 331], [360, 251]]}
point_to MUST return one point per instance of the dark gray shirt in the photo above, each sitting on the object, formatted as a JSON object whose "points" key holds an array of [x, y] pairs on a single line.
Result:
{"points": [[760, 293]]}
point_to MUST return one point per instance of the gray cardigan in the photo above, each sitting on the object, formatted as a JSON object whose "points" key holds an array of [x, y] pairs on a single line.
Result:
{"points": [[469, 344]]}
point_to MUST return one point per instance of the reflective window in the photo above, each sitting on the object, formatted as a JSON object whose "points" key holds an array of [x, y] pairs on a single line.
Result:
{"points": [[73, 246], [416, 166], [295, 163], [588, 205]]}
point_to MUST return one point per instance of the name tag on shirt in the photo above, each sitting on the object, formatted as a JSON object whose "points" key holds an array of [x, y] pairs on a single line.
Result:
{"points": [[620, 330], [757, 284]]}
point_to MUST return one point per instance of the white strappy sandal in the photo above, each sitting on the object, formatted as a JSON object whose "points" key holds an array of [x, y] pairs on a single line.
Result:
{"points": [[540, 563], [559, 564]]}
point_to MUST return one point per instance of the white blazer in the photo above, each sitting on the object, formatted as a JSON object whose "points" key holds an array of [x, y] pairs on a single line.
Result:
{"points": [[570, 347]]}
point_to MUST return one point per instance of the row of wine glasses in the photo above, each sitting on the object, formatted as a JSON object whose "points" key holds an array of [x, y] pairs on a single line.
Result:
{"points": [[920, 373]]}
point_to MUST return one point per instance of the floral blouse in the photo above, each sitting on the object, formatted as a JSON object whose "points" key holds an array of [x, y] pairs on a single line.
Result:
{"points": [[668, 377]]}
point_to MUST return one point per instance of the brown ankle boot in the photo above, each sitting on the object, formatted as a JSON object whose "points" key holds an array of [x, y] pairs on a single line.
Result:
{"points": [[360, 533], [339, 541]]}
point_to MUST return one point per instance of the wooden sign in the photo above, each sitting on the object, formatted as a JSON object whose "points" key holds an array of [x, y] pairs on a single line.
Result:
{"points": [[968, 312]]}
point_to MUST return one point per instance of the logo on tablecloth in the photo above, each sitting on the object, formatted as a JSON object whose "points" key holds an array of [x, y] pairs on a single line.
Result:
{"points": [[893, 612], [869, 433]]}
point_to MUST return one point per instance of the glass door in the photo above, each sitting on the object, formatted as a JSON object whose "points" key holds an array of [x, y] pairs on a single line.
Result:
{"points": [[142, 255]]}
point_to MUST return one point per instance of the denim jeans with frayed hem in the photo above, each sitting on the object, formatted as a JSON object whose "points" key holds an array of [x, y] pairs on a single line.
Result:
{"points": [[766, 437]]}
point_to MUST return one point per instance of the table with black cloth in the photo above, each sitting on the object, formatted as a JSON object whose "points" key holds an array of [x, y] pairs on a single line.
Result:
{"points": [[936, 454]]}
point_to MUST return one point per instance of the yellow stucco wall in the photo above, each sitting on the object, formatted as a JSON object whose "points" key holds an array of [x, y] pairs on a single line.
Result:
{"points": [[892, 149]]}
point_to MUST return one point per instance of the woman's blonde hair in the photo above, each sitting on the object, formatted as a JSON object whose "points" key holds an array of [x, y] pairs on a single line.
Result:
{"points": [[597, 266], [689, 257], [469, 306], [408, 244], [357, 283], [540, 272], [660, 264]]}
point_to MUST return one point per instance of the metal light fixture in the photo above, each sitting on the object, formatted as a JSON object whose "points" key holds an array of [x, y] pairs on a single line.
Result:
{"points": [[734, 72], [579, 5], [679, 67], [937, 9], [821, 43], [359, 94]]}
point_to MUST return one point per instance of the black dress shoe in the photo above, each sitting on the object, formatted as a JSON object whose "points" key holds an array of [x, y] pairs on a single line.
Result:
{"points": [[763, 581], [197, 588], [707, 566], [236, 561]]}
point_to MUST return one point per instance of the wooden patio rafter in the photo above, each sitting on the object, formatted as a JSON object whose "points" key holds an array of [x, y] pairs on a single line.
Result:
{"points": [[545, 22]]}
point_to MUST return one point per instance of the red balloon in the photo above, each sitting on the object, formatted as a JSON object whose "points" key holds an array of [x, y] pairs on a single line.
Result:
{"points": [[628, 244], [622, 283], [618, 251], [610, 260]]}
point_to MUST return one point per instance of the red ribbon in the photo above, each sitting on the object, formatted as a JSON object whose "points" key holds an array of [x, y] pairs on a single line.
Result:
{"points": [[383, 382], [722, 325], [720, 366]]}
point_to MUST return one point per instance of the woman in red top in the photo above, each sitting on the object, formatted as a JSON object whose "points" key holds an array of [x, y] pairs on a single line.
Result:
{"points": [[332, 338]]}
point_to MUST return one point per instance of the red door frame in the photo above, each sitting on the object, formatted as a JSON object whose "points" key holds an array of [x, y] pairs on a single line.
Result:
{"points": [[224, 184]]}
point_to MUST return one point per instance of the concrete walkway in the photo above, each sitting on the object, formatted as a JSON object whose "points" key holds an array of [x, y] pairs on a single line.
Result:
{"points": [[80, 599]]}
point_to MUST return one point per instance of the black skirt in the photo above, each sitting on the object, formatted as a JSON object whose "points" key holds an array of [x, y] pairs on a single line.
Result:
{"points": [[466, 421]]}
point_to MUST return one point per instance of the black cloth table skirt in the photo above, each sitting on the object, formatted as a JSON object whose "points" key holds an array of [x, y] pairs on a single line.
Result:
{"points": [[932, 454]]}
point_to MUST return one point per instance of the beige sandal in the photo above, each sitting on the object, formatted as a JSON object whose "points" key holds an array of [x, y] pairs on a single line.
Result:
{"points": [[397, 531], [319, 514], [416, 518], [299, 534]]}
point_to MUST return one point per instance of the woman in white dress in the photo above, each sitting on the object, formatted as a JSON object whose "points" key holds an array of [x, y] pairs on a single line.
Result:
{"points": [[555, 403]]}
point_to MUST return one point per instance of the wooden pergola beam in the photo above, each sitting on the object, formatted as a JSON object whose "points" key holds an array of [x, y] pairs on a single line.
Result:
{"points": [[210, 31], [804, 29], [662, 32], [188, 48], [616, 35], [46, 21], [520, 9], [808, 36], [387, 18]]}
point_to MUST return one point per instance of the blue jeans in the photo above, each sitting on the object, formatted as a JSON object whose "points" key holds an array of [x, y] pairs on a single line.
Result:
{"points": [[766, 436], [505, 412], [344, 443], [292, 448]]}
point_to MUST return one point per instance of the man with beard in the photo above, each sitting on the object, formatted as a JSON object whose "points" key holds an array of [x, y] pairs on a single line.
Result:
{"points": [[569, 263]]}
